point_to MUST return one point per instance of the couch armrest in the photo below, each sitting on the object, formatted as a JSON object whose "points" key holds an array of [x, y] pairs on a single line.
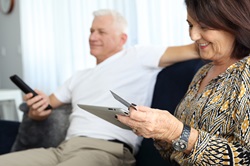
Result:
{"points": [[8, 133]]}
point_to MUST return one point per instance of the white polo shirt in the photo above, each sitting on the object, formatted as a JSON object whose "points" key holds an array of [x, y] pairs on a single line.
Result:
{"points": [[130, 73]]}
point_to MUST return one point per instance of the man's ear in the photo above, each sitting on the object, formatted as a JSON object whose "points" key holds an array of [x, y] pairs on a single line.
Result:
{"points": [[124, 38]]}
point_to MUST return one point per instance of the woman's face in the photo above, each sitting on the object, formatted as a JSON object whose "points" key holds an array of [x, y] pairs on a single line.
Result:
{"points": [[214, 45]]}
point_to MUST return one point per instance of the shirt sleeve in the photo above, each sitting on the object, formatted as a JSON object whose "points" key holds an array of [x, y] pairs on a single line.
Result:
{"points": [[212, 150], [150, 55], [63, 93]]}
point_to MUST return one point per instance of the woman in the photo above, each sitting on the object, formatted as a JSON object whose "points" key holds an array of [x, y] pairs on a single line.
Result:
{"points": [[211, 124]]}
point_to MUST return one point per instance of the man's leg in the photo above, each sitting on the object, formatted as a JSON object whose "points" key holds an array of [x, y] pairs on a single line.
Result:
{"points": [[33, 157], [93, 158], [95, 152], [77, 151]]}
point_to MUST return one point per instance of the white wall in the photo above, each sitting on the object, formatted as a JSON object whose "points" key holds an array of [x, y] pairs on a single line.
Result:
{"points": [[10, 47]]}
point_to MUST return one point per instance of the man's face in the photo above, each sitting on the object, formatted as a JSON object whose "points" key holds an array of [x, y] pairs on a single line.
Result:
{"points": [[105, 38]]}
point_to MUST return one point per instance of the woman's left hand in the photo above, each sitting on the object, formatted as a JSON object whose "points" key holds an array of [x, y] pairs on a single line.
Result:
{"points": [[153, 123]]}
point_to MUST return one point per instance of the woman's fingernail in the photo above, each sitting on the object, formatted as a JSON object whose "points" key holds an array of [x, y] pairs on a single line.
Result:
{"points": [[133, 106]]}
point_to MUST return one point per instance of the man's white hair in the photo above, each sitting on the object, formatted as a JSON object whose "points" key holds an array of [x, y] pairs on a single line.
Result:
{"points": [[119, 20]]}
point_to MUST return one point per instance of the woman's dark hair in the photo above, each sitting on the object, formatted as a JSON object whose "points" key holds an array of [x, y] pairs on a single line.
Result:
{"points": [[232, 16]]}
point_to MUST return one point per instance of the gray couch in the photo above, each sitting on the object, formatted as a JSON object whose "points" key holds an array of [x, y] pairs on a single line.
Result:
{"points": [[172, 83]]}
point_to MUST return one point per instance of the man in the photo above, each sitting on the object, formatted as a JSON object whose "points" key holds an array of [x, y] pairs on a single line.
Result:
{"points": [[130, 72]]}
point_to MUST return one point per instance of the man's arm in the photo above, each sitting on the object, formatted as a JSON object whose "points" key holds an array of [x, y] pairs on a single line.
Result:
{"points": [[179, 53], [54, 102]]}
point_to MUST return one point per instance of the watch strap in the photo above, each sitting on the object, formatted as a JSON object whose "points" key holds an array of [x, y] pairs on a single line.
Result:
{"points": [[185, 133], [181, 143]]}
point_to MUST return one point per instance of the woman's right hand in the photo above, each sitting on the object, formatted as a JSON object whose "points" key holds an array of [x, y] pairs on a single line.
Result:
{"points": [[37, 105], [153, 123]]}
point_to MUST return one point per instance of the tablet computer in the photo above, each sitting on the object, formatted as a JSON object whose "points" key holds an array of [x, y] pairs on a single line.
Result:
{"points": [[107, 113]]}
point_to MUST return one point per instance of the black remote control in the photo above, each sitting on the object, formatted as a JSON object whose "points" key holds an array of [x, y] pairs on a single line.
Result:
{"points": [[24, 87]]}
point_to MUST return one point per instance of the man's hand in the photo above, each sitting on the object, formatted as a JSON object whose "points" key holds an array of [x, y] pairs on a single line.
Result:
{"points": [[37, 105]]}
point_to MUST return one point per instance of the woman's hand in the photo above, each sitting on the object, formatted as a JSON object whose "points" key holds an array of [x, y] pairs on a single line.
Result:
{"points": [[153, 123], [37, 105]]}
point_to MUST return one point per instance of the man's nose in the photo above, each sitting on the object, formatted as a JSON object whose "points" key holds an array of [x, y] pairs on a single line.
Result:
{"points": [[93, 36]]}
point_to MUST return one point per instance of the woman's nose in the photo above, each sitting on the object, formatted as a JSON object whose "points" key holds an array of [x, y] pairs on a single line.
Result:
{"points": [[195, 34]]}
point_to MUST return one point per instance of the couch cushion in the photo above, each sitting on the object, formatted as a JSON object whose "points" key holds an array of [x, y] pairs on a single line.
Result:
{"points": [[47, 133]]}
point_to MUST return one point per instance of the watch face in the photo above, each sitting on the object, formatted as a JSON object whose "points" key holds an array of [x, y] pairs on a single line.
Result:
{"points": [[180, 145]]}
